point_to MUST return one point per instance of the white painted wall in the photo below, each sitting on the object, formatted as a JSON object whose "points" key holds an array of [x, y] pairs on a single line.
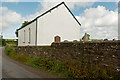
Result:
{"points": [[21, 41], [57, 22]]}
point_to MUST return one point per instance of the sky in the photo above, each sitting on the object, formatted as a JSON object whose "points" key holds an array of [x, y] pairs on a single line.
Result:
{"points": [[99, 19]]}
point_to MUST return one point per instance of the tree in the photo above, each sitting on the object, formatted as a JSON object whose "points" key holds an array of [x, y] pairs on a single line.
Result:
{"points": [[16, 32], [2, 42], [23, 24], [88, 36]]}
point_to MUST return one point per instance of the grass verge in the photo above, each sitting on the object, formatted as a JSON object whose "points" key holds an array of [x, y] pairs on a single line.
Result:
{"points": [[69, 69]]}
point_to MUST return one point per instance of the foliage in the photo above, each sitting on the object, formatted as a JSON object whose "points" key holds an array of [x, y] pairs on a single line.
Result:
{"points": [[9, 50], [87, 35], [16, 32], [11, 42], [23, 24], [70, 69], [2, 42], [80, 39]]}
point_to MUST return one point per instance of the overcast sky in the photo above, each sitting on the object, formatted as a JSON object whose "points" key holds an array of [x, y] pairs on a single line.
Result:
{"points": [[99, 19]]}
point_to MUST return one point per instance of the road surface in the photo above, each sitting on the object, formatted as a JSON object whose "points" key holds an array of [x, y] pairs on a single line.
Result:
{"points": [[0, 63], [12, 70]]}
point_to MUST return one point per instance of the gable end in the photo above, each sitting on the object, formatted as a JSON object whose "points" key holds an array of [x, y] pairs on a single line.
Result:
{"points": [[50, 11]]}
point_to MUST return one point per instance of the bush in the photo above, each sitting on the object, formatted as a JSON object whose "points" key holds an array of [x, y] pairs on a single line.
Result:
{"points": [[2, 42], [9, 50]]}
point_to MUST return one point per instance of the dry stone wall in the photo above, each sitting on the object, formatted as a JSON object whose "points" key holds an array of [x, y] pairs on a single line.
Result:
{"points": [[106, 52]]}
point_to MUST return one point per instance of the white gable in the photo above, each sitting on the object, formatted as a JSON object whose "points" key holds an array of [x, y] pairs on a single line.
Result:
{"points": [[56, 21]]}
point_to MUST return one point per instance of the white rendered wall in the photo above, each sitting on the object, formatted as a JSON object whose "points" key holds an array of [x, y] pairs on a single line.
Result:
{"points": [[21, 41], [57, 22]]}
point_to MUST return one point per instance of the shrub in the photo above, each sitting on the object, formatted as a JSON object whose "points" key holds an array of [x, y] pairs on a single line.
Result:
{"points": [[9, 50]]}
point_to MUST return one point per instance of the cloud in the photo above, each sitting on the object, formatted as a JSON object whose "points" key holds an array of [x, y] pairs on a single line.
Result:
{"points": [[10, 0], [9, 18], [60, 0], [46, 5], [31, 16], [99, 22]]}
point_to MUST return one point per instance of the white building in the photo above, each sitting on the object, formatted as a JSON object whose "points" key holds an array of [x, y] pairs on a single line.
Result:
{"points": [[58, 21]]}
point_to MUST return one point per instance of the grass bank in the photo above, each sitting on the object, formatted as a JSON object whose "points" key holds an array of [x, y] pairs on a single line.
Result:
{"points": [[69, 69]]}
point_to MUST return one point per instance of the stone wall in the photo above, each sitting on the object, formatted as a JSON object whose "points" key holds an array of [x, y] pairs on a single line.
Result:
{"points": [[106, 52]]}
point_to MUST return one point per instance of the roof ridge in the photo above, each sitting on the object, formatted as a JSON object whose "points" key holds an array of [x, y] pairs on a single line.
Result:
{"points": [[42, 14], [49, 11]]}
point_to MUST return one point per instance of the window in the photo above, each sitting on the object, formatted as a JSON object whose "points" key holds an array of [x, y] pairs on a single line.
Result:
{"points": [[29, 35], [24, 37], [57, 38]]}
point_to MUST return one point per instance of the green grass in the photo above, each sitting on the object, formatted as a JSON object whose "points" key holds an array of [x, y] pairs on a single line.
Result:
{"points": [[3, 42], [11, 42], [70, 69]]}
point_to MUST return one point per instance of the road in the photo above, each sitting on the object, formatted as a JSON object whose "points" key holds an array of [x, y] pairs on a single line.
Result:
{"points": [[12, 70], [0, 63]]}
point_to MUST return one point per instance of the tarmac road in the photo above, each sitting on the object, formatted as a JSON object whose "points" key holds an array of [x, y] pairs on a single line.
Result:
{"points": [[12, 70], [0, 63]]}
